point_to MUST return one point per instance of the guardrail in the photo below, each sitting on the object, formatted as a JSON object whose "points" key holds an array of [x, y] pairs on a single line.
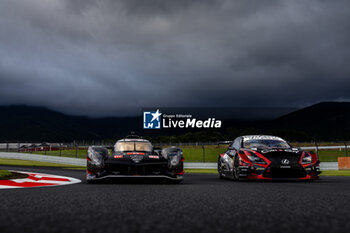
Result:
{"points": [[43, 158]]}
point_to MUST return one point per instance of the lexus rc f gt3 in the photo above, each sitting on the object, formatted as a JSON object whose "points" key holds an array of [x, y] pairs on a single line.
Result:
{"points": [[267, 157], [136, 158]]}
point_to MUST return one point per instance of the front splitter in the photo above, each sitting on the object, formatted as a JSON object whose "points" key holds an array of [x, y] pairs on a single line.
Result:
{"points": [[137, 177]]}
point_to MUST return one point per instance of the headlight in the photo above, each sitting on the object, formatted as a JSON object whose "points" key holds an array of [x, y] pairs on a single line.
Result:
{"points": [[174, 160], [306, 159], [227, 159]]}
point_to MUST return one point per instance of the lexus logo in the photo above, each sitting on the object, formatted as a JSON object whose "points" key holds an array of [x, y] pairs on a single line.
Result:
{"points": [[285, 161]]}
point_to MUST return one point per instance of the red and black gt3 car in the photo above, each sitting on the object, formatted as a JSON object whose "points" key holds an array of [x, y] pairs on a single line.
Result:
{"points": [[267, 158]]}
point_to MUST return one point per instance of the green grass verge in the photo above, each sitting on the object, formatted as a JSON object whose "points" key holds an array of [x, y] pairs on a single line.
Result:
{"points": [[4, 173], [196, 154], [18, 162], [336, 173], [331, 155], [206, 171]]}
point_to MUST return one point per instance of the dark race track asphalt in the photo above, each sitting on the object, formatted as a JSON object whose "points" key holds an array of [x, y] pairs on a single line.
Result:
{"points": [[203, 203]]}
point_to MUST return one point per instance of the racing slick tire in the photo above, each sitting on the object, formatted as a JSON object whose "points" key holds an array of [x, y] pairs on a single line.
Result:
{"points": [[219, 169], [236, 175]]}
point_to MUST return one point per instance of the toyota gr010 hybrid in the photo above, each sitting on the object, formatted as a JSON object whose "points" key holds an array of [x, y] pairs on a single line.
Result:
{"points": [[134, 157], [267, 157]]}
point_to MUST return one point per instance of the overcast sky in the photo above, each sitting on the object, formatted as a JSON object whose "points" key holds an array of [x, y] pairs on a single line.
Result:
{"points": [[112, 57]]}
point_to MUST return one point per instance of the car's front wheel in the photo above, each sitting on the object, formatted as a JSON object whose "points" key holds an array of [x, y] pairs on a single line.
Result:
{"points": [[220, 169], [236, 174]]}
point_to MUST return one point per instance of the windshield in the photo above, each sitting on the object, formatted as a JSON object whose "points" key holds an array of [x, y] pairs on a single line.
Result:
{"points": [[265, 144], [133, 146]]}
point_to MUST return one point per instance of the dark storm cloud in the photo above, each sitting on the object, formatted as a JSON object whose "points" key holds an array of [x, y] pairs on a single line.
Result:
{"points": [[113, 57]]}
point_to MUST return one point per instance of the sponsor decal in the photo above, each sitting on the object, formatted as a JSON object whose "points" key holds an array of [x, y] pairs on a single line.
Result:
{"points": [[153, 156], [133, 140], [262, 137], [136, 158], [269, 150], [293, 150]]}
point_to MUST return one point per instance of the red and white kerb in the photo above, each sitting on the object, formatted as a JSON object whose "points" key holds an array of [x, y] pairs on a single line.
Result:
{"points": [[37, 180]]}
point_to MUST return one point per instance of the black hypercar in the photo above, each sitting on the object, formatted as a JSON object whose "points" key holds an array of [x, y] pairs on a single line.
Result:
{"points": [[134, 158], [267, 157]]}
